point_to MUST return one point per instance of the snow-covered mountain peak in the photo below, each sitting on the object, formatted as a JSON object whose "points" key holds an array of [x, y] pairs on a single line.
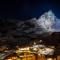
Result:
{"points": [[48, 21]]}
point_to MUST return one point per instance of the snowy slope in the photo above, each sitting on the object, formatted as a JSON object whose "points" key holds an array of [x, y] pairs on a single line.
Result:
{"points": [[49, 22]]}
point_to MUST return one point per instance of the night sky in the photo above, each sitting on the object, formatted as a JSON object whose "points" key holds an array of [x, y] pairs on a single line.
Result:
{"points": [[35, 8], [26, 9], [8, 9]]}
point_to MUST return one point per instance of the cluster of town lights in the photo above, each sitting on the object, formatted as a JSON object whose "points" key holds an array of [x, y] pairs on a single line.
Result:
{"points": [[37, 48]]}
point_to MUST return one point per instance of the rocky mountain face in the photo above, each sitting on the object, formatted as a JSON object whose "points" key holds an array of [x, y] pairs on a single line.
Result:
{"points": [[21, 32], [49, 22], [17, 31]]}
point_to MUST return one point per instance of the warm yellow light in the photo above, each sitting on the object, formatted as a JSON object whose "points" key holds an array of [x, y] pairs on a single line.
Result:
{"points": [[9, 59], [35, 49], [49, 59], [14, 57]]}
